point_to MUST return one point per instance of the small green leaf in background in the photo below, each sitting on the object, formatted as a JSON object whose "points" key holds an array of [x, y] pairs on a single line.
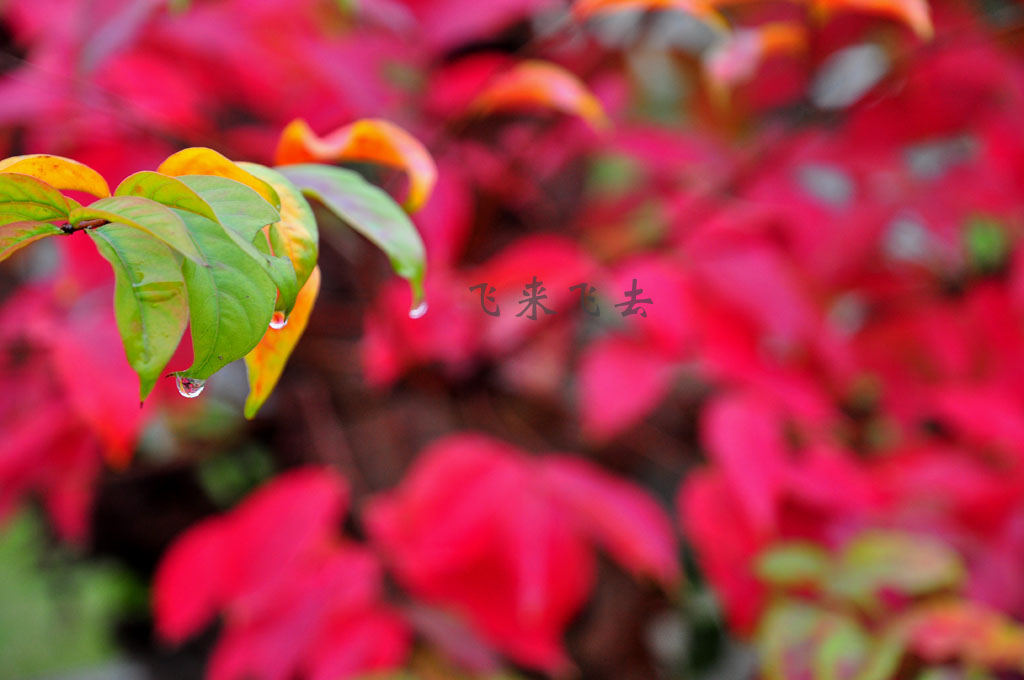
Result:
{"points": [[230, 302], [58, 615], [16, 235], [296, 235], [987, 244], [371, 212], [843, 650], [166, 190], [27, 199], [786, 628], [145, 215], [800, 640], [909, 564], [793, 565], [242, 213], [150, 300], [231, 476], [612, 174]]}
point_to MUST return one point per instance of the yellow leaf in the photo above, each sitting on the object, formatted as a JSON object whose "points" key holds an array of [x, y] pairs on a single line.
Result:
{"points": [[538, 84], [370, 140], [266, 361], [59, 172], [202, 161]]}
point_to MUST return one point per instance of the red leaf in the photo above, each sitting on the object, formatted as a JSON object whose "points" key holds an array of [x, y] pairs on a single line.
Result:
{"points": [[744, 436], [618, 515], [620, 382]]}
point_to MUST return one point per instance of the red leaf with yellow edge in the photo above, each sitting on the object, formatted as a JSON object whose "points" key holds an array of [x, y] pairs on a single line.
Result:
{"points": [[915, 14], [584, 9], [370, 140], [202, 161], [59, 172], [539, 84], [266, 361]]}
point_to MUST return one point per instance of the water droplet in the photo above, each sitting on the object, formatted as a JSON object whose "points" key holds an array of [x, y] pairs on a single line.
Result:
{"points": [[419, 310], [190, 388], [278, 321]]}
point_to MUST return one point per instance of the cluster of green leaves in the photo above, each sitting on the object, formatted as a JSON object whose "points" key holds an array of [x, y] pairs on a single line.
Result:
{"points": [[207, 244], [888, 605]]}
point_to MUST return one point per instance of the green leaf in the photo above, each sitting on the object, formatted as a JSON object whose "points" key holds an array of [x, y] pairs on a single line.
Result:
{"points": [[231, 301], [296, 235], [27, 199], [242, 214], [909, 564], [796, 639], [885, 658], [987, 243], [16, 235], [371, 212], [785, 634], [60, 612], [793, 565], [843, 651], [145, 215], [150, 300], [166, 190]]}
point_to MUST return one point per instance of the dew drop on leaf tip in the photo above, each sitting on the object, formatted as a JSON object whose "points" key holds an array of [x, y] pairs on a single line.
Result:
{"points": [[190, 388], [278, 321], [419, 310]]}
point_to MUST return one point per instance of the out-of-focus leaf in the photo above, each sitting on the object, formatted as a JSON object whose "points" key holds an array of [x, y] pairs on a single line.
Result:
{"points": [[911, 565], [786, 627], [539, 84], [702, 9], [915, 14], [842, 651], [744, 435], [16, 235], [230, 302], [296, 234], [242, 213], [618, 515], [620, 381], [297, 600], [968, 631], [150, 301], [372, 140], [793, 565], [26, 199], [266, 361], [987, 244], [736, 58], [59, 172], [885, 658], [800, 640], [60, 619], [203, 161], [371, 212], [145, 215], [166, 190]]}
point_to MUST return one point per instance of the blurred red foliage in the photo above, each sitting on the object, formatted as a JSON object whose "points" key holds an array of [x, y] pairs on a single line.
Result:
{"points": [[835, 265]]}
